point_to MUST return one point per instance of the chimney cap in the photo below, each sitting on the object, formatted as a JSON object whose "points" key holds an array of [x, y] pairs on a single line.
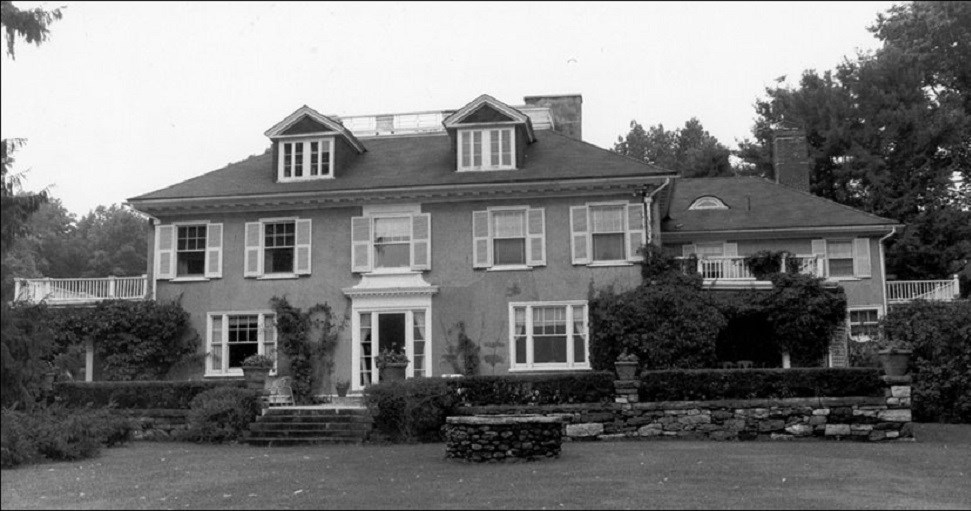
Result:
{"points": [[786, 126]]}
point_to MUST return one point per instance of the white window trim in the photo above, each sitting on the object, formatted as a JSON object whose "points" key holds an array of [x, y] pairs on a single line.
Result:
{"points": [[486, 150], [529, 366], [849, 325], [612, 262], [223, 316], [839, 278], [175, 250], [374, 245], [264, 275], [305, 170], [422, 304], [492, 238], [711, 201]]}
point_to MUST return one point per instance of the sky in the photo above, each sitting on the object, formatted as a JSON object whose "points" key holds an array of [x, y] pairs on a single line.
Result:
{"points": [[126, 98]]}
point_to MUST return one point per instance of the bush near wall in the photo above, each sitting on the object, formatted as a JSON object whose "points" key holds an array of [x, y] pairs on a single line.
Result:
{"points": [[58, 434], [716, 384], [222, 414], [136, 394], [940, 333], [415, 409]]}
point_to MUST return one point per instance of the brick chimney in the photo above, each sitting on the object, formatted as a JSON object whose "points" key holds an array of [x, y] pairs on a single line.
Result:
{"points": [[790, 157], [566, 110]]}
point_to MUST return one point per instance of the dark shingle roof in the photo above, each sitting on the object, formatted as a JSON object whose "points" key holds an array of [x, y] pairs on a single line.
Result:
{"points": [[757, 203], [415, 161]]}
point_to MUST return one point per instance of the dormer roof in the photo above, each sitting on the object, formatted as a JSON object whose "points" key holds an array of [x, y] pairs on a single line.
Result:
{"points": [[486, 109], [308, 120]]}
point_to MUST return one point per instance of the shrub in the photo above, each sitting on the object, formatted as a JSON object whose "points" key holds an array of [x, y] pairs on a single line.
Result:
{"points": [[940, 333], [221, 414], [411, 410], [60, 434], [536, 389], [27, 345], [136, 394], [714, 384]]}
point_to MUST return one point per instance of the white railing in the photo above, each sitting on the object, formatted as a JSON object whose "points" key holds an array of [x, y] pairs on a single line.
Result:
{"points": [[900, 291], [734, 268], [80, 290]]}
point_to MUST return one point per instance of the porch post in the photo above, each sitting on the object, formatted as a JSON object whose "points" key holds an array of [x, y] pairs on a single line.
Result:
{"points": [[89, 360], [111, 286]]}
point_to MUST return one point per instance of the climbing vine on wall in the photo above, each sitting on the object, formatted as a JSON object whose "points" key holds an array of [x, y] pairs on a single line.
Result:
{"points": [[463, 356], [306, 338]]}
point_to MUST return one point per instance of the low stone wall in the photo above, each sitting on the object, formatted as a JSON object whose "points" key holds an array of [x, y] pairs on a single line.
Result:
{"points": [[503, 438], [159, 424], [829, 418]]}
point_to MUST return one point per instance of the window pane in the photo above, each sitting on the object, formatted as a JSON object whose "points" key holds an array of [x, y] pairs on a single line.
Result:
{"points": [[509, 251], [191, 263], [278, 260], [710, 250], [216, 347], [841, 267], [839, 250], [494, 147], [325, 157], [549, 349], [579, 335], [298, 159], [608, 247], [506, 148], [366, 351], [243, 338], [519, 330], [466, 148], [392, 229], [476, 148], [314, 158], [509, 224], [287, 159], [607, 219], [394, 255]]}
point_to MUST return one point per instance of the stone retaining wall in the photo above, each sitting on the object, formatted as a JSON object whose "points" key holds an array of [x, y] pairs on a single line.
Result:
{"points": [[157, 424], [500, 438], [830, 418]]}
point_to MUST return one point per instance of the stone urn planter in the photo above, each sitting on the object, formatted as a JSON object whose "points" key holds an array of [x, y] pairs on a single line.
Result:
{"points": [[626, 370], [255, 377], [394, 371], [342, 387], [895, 362], [47, 384]]}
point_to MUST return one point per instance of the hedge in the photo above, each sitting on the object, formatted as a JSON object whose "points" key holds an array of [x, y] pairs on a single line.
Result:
{"points": [[715, 384], [536, 389], [136, 394], [58, 434]]}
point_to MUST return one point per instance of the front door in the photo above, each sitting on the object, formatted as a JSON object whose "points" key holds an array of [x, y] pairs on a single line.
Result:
{"points": [[402, 331]]}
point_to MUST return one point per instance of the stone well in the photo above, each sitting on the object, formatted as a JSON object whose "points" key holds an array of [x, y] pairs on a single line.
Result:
{"points": [[495, 438]]}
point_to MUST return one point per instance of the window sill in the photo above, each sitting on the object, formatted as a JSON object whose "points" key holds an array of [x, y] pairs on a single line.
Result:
{"points": [[518, 267], [190, 279], [392, 271], [220, 376], [842, 279], [279, 276], [585, 367], [303, 179], [603, 264]]}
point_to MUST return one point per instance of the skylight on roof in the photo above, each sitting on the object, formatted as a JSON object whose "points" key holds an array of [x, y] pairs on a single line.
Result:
{"points": [[707, 202]]}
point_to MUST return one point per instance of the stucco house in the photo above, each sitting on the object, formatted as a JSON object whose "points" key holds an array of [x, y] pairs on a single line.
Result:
{"points": [[495, 216]]}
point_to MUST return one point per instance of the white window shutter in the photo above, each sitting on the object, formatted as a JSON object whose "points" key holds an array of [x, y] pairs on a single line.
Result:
{"points": [[580, 235], [635, 231], [730, 249], [421, 241], [861, 257], [360, 244], [481, 240], [688, 250], [214, 251], [536, 237], [253, 246], [165, 252], [302, 247]]}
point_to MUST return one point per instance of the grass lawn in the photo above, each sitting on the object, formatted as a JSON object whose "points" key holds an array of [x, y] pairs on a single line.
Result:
{"points": [[934, 472]]}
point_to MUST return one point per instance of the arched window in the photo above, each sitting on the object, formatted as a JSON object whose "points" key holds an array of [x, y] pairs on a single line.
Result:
{"points": [[708, 202]]}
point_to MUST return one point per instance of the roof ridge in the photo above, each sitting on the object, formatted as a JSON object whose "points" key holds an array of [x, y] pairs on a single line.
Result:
{"points": [[608, 151]]}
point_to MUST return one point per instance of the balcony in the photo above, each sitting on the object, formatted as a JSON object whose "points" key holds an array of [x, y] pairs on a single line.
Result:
{"points": [[732, 273], [80, 291], [903, 291]]}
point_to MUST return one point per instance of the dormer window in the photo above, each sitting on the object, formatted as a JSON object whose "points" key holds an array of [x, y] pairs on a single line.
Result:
{"points": [[707, 202], [486, 149], [306, 159]]}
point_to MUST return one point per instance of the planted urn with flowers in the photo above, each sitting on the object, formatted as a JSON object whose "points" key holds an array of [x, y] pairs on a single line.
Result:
{"points": [[392, 364], [256, 368], [894, 356], [626, 366]]}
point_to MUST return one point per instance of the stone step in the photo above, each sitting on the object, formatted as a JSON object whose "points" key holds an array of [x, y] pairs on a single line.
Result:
{"points": [[316, 419], [307, 433], [325, 426], [317, 412], [280, 442]]}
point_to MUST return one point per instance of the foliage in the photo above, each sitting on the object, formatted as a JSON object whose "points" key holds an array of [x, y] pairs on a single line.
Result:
{"points": [[27, 347], [221, 414], [411, 410], [536, 389], [463, 356], [863, 354], [31, 25], [889, 132], [714, 384], [940, 333], [258, 360], [660, 266], [804, 315], [766, 262], [668, 323], [136, 394], [58, 434], [627, 357], [387, 357], [691, 150], [133, 340], [305, 337]]}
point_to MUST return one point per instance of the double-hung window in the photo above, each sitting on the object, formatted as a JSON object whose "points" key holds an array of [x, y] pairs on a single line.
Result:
{"points": [[511, 237], [864, 324], [277, 247], [188, 251], [607, 233], [234, 336], [486, 149], [549, 335], [391, 240], [305, 159], [844, 258], [840, 257]]}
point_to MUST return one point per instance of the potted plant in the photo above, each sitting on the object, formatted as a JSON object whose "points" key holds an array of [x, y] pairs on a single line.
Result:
{"points": [[894, 356], [392, 365], [256, 368], [342, 387], [626, 366]]}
